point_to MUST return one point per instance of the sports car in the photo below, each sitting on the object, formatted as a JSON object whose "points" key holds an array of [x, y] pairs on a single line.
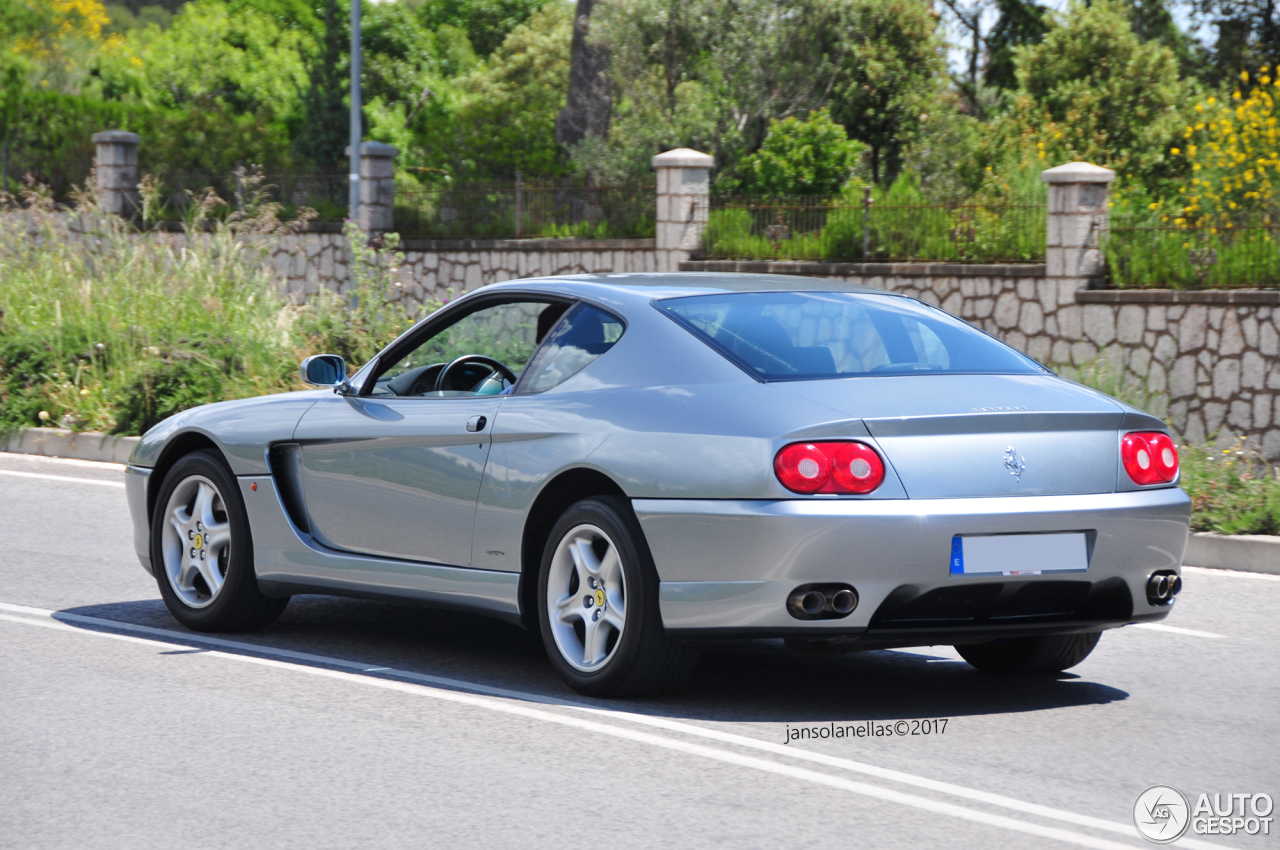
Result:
{"points": [[629, 465]]}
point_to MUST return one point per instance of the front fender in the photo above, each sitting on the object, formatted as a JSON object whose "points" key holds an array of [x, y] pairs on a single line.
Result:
{"points": [[243, 429]]}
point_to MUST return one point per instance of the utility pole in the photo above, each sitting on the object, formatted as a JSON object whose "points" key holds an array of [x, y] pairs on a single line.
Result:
{"points": [[356, 128]]}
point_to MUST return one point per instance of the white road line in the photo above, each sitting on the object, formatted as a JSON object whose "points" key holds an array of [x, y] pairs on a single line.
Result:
{"points": [[1161, 627], [693, 730], [715, 754], [44, 477]]}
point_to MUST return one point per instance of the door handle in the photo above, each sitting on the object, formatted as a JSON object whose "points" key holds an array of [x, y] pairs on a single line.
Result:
{"points": [[476, 423]]}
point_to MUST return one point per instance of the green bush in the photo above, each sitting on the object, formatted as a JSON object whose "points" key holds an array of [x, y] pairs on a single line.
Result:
{"points": [[26, 366], [165, 387], [813, 157]]}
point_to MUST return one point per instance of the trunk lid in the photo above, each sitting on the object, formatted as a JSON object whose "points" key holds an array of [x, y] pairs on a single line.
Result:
{"points": [[966, 436]]}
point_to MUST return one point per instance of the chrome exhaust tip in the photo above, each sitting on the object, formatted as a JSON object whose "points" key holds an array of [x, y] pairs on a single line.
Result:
{"points": [[1163, 586], [822, 601], [844, 601], [812, 603]]}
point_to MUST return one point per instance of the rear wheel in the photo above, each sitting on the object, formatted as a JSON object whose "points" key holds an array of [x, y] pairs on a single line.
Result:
{"points": [[1045, 654], [598, 605], [202, 551]]}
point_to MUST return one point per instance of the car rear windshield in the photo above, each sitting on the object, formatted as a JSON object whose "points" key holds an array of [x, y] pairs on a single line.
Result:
{"points": [[797, 336]]}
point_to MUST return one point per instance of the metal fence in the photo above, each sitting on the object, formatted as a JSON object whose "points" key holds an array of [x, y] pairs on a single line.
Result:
{"points": [[806, 228], [1242, 251], [527, 210], [60, 175], [325, 193]]}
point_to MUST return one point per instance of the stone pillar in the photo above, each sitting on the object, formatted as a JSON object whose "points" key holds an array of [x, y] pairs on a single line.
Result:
{"points": [[684, 192], [377, 186], [117, 164], [1077, 218]]}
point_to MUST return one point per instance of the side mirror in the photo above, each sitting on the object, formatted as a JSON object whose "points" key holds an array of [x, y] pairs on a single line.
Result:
{"points": [[323, 370]]}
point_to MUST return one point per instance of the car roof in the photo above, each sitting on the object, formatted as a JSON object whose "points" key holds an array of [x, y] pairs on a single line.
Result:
{"points": [[634, 288]]}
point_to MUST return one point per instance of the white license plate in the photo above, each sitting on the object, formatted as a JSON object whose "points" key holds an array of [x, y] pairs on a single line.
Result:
{"points": [[1019, 554]]}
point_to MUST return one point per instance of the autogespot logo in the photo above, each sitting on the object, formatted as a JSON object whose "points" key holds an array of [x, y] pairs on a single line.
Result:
{"points": [[1161, 814]]}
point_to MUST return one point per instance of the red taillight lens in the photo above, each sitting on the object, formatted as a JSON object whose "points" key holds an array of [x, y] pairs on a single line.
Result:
{"points": [[843, 467], [856, 467], [1149, 457], [803, 467]]}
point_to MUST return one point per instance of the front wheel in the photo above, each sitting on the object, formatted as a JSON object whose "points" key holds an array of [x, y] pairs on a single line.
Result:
{"points": [[202, 552], [1046, 654], [598, 605]]}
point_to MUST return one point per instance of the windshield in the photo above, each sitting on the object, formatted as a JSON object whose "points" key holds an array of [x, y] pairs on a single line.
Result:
{"points": [[781, 336]]}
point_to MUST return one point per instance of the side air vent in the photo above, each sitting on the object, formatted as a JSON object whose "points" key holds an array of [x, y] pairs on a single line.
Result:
{"points": [[284, 469]]}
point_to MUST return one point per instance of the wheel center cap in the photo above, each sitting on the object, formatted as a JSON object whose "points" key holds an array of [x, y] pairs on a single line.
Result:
{"points": [[198, 542], [599, 598]]}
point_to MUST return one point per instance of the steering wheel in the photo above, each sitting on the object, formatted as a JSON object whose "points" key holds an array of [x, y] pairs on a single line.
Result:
{"points": [[442, 380]]}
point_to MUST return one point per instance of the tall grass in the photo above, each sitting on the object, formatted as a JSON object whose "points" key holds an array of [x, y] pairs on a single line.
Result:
{"points": [[104, 329]]}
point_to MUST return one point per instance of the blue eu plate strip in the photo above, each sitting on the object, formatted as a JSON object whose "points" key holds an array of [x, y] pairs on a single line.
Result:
{"points": [[957, 555]]}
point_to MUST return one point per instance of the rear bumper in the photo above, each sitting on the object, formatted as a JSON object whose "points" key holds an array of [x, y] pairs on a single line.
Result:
{"points": [[726, 567], [135, 491]]}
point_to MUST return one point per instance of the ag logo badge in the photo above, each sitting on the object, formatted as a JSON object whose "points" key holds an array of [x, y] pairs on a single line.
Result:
{"points": [[1161, 814]]}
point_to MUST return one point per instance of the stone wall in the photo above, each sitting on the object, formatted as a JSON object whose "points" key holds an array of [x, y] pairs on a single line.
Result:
{"points": [[435, 268], [1211, 358]]}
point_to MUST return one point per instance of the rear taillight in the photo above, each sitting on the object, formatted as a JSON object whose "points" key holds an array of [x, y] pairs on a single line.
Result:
{"points": [[843, 467], [1150, 457]]}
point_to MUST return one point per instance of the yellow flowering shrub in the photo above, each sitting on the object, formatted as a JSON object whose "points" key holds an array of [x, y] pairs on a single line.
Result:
{"points": [[59, 22], [1233, 148]]}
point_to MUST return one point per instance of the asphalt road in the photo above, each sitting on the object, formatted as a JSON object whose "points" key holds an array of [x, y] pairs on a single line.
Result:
{"points": [[366, 724]]}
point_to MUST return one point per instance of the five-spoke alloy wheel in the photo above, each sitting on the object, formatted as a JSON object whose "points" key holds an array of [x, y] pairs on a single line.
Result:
{"points": [[587, 598], [196, 541], [598, 605], [202, 552]]}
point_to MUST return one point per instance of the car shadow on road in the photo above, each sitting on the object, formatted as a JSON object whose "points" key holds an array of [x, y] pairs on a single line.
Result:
{"points": [[740, 681]]}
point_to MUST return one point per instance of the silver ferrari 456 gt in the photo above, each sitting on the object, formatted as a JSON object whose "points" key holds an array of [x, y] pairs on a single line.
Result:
{"points": [[629, 464]]}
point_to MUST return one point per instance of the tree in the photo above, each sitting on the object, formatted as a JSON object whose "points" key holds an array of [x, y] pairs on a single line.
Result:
{"points": [[886, 72], [1092, 91], [701, 73], [1020, 24], [507, 121], [1248, 35], [588, 105], [324, 132], [252, 57], [486, 22]]}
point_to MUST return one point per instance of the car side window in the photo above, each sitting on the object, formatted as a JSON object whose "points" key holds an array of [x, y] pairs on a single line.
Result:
{"points": [[583, 335], [497, 340]]}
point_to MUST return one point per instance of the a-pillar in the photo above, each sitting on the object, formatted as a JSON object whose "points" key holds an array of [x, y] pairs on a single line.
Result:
{"points": [[684, 191], [117, 166], [1077, 219], [377, 186]]}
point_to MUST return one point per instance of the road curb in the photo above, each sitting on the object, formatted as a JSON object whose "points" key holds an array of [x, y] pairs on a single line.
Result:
{"points": [[79, 445], [1255, 553]]}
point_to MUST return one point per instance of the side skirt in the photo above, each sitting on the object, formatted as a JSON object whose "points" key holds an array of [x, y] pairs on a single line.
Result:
{"points": [[287, 560]]}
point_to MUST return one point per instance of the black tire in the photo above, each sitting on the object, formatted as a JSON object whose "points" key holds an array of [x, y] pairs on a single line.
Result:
{"points": [[1047, 654], [643, 660], [240, 605]]}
